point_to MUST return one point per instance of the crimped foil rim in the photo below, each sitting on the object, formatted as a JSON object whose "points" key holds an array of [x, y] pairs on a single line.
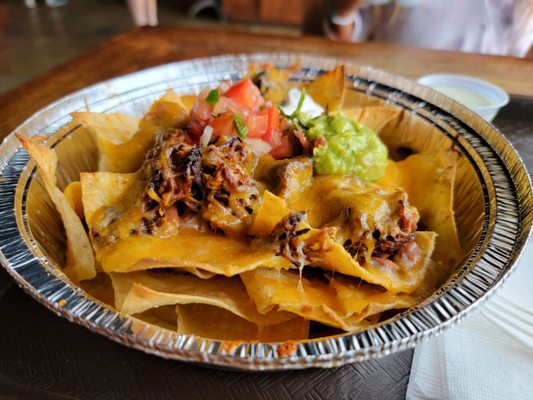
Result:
{"points": [[482, 274]]}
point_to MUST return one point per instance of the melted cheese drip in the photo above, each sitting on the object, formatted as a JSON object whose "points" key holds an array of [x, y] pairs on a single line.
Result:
{"points": [[404, 278], [188, 249]]}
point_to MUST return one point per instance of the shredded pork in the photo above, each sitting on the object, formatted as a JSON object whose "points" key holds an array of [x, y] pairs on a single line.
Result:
{"points": [[219, 184], [231, 193], [214, 182]]}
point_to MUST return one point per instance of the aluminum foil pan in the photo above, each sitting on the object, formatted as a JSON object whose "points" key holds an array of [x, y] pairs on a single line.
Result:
{"points": [[493, 206]]}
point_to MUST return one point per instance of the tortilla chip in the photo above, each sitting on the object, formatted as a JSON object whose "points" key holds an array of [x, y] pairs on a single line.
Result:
{"points": [[374, 118], [188, 250], [164, 317], [107, 195], [73, 194], [342, 303], [188, 101], [106, 189], [269, 214], [216, 323], [100, 288], [335, 257], [122, 145], [114, 128], [168, 112], [402, 276], [392, 178], [137, 292], [324, 202], [328, 89], [428, 178], [275, 83], [356, 99], [80, 263], [124, 141]]}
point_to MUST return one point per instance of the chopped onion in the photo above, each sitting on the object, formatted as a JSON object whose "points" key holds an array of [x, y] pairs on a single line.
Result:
{"points": [[225, 104], [258, 146], [206, 136], [224, 86]]}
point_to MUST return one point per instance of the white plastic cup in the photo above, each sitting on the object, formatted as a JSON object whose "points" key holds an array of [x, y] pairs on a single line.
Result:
{"points": [[466, 90]]}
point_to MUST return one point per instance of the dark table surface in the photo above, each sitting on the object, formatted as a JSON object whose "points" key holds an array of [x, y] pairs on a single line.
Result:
{"points": [[43, 356]]}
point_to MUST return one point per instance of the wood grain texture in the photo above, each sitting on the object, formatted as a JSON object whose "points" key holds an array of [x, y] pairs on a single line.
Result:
{"points": [[146, 47]]}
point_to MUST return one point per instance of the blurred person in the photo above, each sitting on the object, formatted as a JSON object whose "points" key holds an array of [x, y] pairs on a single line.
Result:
{"points": [[500, 27], [144, 12], [49, 3]]}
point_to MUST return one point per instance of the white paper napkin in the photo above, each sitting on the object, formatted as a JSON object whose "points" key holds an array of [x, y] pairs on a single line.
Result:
{"points": [[477, 359]]}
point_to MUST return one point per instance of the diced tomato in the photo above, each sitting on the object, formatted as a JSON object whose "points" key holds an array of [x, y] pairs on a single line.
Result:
{"points": [[243, 99], [245, 94], [264, 122], [273, 118], [272, 137], [284, 149], [273, 134], [304, 142], [257, 125], [223, 125]]}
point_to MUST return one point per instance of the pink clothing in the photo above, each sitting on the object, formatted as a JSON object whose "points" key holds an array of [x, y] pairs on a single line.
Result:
{"points": [[501, 27]]}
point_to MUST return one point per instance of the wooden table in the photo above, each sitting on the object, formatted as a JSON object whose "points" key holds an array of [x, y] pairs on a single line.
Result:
{"points": [[146, 47], [52, 358]]}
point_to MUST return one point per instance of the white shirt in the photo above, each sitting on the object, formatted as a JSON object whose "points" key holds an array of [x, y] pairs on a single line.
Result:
{"points": [[501, 27]]}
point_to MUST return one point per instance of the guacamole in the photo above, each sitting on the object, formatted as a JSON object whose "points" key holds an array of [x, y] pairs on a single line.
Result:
{"points": [[348, 148]]}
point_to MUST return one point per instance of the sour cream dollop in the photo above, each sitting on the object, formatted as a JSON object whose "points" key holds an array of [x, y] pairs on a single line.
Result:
{"points": [[309, 106]]}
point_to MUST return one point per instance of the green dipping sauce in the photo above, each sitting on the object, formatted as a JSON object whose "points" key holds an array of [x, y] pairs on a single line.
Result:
{"points": [[350, 149]]}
